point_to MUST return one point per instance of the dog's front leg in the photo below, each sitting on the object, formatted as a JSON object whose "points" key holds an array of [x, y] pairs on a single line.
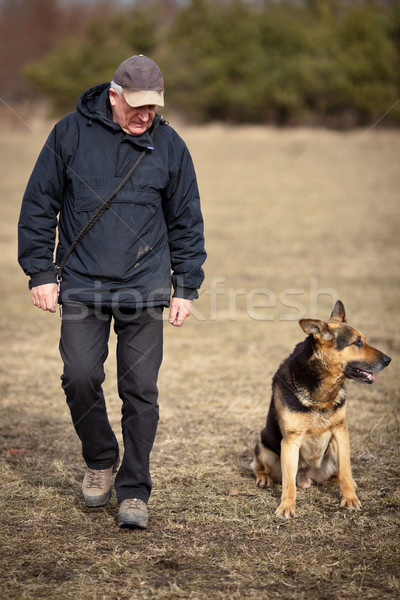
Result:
{"points": [[289, 463], [347, 487]]}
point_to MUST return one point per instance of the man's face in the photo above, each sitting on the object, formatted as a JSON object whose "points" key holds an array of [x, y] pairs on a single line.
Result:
{"points": [[132, 120]]}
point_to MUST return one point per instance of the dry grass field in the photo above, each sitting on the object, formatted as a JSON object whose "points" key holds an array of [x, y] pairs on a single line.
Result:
{"points": [[294, 220]]}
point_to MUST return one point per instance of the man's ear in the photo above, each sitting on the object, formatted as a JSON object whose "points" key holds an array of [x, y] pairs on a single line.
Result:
{"points": [[319, 329], [112, 94]]}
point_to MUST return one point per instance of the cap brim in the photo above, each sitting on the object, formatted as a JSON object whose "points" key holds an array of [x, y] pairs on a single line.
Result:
{"points": [[144, 97]]}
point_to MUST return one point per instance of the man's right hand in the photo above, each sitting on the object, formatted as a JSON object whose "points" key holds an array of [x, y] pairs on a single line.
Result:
{"points": [[45, 296]]}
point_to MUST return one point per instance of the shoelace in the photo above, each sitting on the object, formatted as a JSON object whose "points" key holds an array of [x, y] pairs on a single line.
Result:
{"points": [[95, 478], [134, 504]]}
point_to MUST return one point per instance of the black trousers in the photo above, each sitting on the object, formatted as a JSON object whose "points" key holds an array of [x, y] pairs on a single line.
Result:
{"points": [[84, 349]]}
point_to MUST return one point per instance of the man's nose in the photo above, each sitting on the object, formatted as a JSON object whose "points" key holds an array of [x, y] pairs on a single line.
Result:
{"points": [[143, 115]]}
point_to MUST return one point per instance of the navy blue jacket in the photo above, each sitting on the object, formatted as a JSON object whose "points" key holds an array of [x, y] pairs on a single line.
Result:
{"points": [[151, 235]]}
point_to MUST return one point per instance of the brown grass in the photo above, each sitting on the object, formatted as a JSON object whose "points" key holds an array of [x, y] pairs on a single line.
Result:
{"points": [[323, 210]]}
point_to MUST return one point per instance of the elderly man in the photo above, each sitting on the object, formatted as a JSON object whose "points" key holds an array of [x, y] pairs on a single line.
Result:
{"points": [[120, 270]]}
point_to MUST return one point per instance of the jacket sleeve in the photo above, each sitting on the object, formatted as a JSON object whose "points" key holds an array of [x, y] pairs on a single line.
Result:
{"points": [[185, 226], [40, 206]]}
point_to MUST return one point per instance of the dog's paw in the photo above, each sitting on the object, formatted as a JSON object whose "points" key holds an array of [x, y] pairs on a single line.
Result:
{"points": [[303, 480], [286, 510], [350, 502], [263, 480]]}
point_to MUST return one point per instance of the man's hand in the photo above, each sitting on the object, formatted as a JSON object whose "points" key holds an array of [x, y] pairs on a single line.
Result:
{"points": [[179, 311], [45, 296]]}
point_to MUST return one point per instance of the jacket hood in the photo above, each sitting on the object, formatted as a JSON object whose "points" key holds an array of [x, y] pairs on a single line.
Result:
{"points": [[94, 105]]}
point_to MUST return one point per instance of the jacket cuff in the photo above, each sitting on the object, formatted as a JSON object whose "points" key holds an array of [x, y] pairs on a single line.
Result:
{"points": [[186, 293], [42, 278]]}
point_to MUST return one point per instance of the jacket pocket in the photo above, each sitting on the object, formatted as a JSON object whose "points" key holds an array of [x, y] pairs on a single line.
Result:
{"points": [[124, 236]]}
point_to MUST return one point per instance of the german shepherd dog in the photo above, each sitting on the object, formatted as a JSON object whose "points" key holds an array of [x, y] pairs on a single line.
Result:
{"points": [[306, 439]]}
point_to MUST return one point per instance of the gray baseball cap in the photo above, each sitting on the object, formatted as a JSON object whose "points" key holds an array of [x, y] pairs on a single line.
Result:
{"points": [[141, 81]]}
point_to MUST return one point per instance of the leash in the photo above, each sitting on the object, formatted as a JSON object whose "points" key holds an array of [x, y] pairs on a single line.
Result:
{"points": [[102, 208]]}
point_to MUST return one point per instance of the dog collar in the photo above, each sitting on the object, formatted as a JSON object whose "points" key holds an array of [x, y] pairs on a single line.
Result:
{"points": [[302, 394]]}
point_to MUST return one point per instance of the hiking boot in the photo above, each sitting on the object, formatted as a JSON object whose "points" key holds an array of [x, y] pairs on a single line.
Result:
{"points": [[133, 513], [96, 486]]}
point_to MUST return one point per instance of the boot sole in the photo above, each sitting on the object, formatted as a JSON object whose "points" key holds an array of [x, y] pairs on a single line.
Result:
{"points": [[128, 524], [98, 501]]}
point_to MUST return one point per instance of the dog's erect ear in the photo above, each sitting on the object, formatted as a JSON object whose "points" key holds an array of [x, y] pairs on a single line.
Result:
{"points": [[338, 313], [319, 329]]}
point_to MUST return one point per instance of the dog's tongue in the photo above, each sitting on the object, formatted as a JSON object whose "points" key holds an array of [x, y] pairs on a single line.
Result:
{"points": [[368, 376]]}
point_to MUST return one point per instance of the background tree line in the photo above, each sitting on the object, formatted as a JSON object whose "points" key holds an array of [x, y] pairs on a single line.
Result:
{"points": [[330, 62]]}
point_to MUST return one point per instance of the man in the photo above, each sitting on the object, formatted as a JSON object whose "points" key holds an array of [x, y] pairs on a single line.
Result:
{"points": [[119, 271]]}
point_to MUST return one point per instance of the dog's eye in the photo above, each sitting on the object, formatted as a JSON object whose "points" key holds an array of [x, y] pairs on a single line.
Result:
{"points": [[358, 342]]}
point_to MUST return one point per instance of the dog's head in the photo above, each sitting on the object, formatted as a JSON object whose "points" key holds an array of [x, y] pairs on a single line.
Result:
{"points": [[343, 348]]}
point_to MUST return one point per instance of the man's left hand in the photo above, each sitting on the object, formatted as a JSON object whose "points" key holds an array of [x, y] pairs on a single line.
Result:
{"points": [[179, 311]]}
